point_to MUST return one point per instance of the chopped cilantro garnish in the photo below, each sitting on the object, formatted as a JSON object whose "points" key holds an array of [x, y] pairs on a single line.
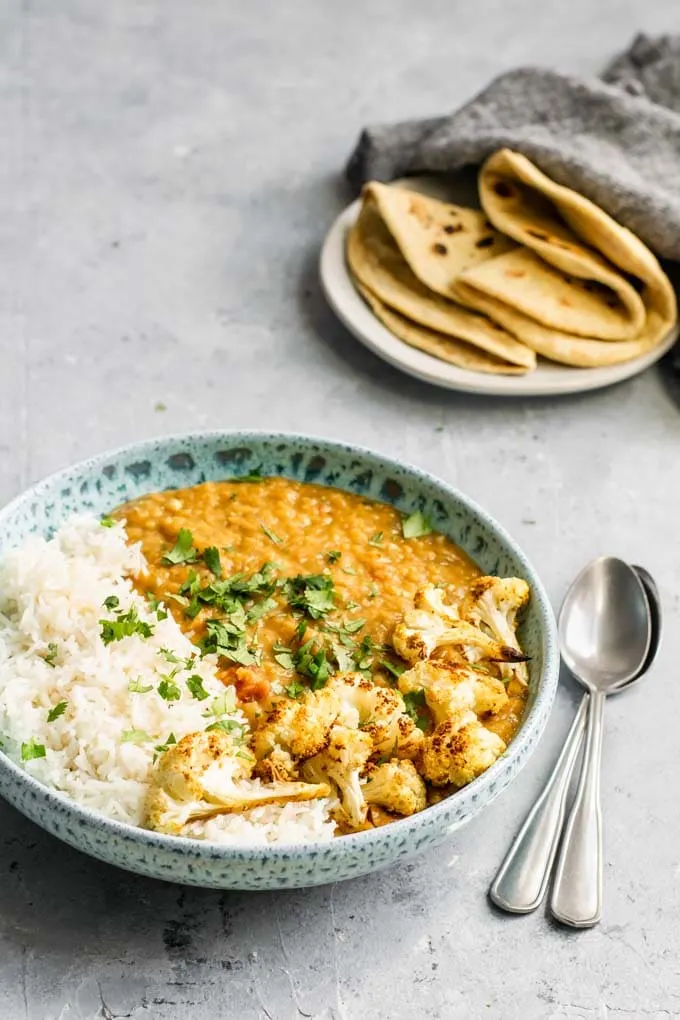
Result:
{"points": [[107, 522], [344, 658], [312, 663], [156, 606], [32, 750], [260, 609], [271, 536], [313, 594], [112, 602], [394, 668], [191, 585], [137, 687], [222, 704], [160, 748], [229, 641], [352, 626], [352, 605], [254, 476], [211, 558], [134, 737], [183, 550], [416, 525], [333, 556], [51, 653], [124, 625], [377, 538], [196, 688], [413, 702], [284, 656], [193, 609], [58, 710], [349, 570], [169, 656], [363, 657], [227, 725], [295, 689], [373, 591], [169, 690]]}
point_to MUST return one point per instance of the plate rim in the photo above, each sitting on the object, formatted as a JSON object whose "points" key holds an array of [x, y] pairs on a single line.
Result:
{"points": [[350, 308]]}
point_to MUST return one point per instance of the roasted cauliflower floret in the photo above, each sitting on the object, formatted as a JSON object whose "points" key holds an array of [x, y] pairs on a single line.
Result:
{"points": [[492, 603], [379, 712], [279, 766], [432, 600], [420, 634], [300, 727], [459, 755], [341, 763], [208, 774], [396, 786], [450, 690]]}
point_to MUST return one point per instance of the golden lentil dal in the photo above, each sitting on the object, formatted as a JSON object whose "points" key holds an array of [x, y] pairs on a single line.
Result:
{"points": [[305, 529]]}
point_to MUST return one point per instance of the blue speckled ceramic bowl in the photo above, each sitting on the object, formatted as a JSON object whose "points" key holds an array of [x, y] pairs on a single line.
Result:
{"points": [[104, 482]]}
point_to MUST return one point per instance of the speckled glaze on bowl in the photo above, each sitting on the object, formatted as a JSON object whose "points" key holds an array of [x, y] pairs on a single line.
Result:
{"points": [[103, 482]]}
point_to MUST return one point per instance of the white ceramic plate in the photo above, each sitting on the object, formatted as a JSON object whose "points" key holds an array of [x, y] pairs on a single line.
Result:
{"points": [[548, 379]]}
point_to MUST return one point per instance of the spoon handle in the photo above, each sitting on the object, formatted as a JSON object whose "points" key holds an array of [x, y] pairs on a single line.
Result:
{"points": [[522, 878], [577, 891]]}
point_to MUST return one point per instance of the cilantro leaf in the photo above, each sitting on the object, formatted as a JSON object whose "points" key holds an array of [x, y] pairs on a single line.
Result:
{"points": [[134, 737], [124, 625], [107, 522], [314, 594], [160, 748], [271, 536], [156, 606], [222, 704], [211, 558], [227, 725], [352, 626], [57, 710], [196, 688], [137, 687], [377, 538], [416, 525], [295, 689], [112, 602], [51, 653], [395, 669], [333, 556], [284, 656], [183, 550], [32, 750], [169, 690], [413, 702]]}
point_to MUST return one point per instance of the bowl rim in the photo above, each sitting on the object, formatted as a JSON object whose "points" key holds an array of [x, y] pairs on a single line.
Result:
{"points": [[439, 814]]}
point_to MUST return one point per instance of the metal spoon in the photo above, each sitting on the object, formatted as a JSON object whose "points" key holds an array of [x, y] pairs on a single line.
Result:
{"points": [[605, 633], [522, 879]]}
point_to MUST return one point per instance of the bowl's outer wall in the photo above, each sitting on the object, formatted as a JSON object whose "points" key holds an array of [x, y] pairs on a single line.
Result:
{"points": [[102, 483]]}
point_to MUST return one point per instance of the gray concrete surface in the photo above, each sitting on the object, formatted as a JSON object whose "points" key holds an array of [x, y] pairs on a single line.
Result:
{"points": [[169, 170]]}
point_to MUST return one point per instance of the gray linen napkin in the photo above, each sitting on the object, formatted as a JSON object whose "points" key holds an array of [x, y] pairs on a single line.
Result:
{"points": [[615, 140]]}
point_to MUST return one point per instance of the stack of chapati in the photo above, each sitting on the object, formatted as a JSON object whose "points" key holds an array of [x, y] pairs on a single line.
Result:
{"points": [[540, 270]]}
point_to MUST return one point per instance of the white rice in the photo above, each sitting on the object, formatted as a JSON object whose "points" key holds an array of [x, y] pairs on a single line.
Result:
{"points": [[52, 594]]}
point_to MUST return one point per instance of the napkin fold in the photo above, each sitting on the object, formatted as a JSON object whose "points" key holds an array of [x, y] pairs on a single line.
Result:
{"points": [[614, 139]]}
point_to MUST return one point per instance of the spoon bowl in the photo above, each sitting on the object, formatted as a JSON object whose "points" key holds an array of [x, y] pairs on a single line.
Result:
{"points": [[604, 625]]}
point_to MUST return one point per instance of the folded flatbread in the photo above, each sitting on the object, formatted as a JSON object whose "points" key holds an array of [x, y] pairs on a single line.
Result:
{"points": [[588, 247], [377, 264], [441, 346]]}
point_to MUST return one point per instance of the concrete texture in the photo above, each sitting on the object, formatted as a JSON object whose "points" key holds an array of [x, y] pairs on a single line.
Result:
{"points": [[169, 171]]}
